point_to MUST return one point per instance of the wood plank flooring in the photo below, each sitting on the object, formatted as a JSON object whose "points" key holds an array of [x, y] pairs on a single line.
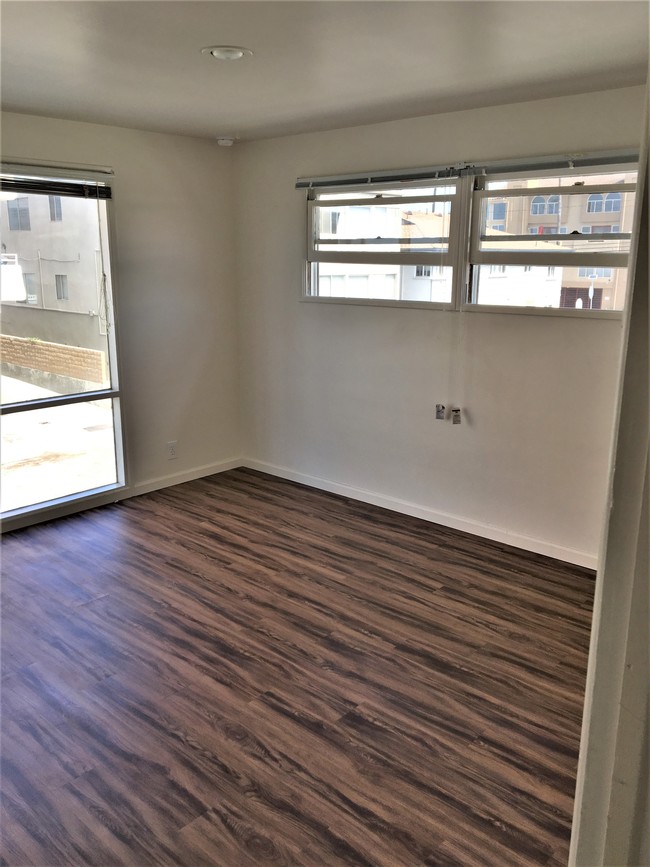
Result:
{"points": [[244, 671]]}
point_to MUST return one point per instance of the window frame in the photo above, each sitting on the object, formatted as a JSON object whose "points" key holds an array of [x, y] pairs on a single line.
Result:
{"points": [[44, 179], [538, 206], [469, 180], [607, 260], [596, 198], [453, 258], [554, 205], [61, 287], [56, 208], [609, 199], [15, 210]]}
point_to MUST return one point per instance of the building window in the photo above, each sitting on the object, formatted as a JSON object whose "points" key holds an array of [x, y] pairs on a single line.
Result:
{"points": [[61, 281], [613, 202], [545, 205], [423, 270], [18, 210], [595, 273], [595, 203], [553, 205], [56, 214], [30, 288], [547, 230], [498, 211], [538, 205]]}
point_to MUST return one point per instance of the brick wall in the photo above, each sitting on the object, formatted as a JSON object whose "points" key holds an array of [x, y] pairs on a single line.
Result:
{"points": [[56, 358]]}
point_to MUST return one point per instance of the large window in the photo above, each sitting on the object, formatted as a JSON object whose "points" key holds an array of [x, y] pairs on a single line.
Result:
{"points": [[477, 239], [61, 430]]}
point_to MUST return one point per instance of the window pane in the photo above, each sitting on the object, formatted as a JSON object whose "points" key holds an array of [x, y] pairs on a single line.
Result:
{"points": [[55, 333], [553, 287], [56, 212], [595, 203], [431, 283], [51, 453], [572, 215], [61, 286], [568, 216], [405, 192], [381, 228], [18, 213]]}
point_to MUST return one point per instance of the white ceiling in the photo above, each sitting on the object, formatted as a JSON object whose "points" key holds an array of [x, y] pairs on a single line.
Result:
{"points": [[316, 65]]}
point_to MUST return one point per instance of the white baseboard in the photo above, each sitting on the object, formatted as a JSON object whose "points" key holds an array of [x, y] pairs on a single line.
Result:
{"points": [[486, 531], [496, 534], [167, 481]]}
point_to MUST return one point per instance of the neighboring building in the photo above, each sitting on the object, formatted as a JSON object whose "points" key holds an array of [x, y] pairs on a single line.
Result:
{"points": [[55, 242], [593, 213]]}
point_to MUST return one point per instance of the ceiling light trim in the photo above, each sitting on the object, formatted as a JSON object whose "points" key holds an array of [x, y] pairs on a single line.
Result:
{"points": [[227, 52]]}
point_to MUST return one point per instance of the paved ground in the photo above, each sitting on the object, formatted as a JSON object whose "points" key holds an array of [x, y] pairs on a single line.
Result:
{"points": [[49, 453]]}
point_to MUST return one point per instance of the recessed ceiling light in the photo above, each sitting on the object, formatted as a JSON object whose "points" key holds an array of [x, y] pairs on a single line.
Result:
{"points": [[227, 52]]}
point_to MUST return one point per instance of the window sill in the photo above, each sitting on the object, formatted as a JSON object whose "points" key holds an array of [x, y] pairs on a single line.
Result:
{"points": [[377, 302], [49, 510]]}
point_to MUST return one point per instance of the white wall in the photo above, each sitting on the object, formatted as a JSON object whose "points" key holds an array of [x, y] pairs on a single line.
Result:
{"points": [[174, 253], [343, 396], [611, 823]]}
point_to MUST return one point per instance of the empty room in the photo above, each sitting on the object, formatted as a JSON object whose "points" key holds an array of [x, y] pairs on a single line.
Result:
{"points": [[325, 419]]}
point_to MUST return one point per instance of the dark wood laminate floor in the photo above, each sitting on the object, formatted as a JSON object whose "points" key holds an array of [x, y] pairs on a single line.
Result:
{"points": [[244, 671]]}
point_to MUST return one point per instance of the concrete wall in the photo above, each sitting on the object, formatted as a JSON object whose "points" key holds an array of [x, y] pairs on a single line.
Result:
{"points": [[174, 281], [343, 396], [77, 329]]}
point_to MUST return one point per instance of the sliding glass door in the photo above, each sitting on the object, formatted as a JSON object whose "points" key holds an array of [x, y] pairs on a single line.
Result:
{"points": [[61, 429]]}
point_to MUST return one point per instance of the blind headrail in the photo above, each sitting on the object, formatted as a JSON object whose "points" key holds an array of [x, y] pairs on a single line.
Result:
{"points": [[437, 173], [56, 171]]}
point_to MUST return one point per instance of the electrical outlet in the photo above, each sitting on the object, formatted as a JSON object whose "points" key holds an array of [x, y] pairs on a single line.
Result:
{"points": [[440, 411], [172, 445]]}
